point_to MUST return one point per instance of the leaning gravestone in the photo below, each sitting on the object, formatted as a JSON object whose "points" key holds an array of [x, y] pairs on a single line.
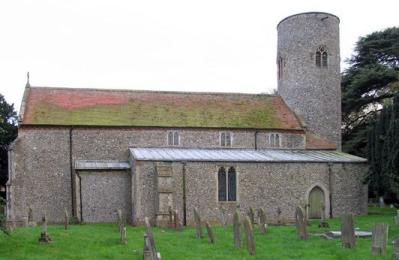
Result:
{"points": [[347, 231], [123, 234], [236, 229], [197, 220], [323, 222], [210, 233], [300, 222], [396, 248], [249, 236], [66, 219], [251, 215], [44, 236], [379, 239], [262, 221], [150, 252]]}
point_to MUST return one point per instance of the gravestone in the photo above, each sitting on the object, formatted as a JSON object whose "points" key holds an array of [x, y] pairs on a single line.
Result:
{"points": [[379, 239], [262, 221], [149, 243], [323, 222], [347, 231], [251, 215], [210, 233], [249, 236], [30, 223], [236, 229], [300, 222], [278, 215], [397, 218], [177, 223], [44, 236], [123, 234], [171, 223], [197, 220], [396, 249], [66, 219]]}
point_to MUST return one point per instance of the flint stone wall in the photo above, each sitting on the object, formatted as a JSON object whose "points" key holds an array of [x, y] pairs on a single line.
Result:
{"points": [[266, 185], [103, 193]]}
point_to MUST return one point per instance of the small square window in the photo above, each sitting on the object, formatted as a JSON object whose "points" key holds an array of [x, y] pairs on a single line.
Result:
{"points": [[173, 138], [225, 139]]}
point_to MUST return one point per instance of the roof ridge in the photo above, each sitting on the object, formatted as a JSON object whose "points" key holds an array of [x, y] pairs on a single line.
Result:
{"points": [[155, 91]]}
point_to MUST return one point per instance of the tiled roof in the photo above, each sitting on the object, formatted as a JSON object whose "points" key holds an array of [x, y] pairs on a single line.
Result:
{"points": [[314, 142], [94, 107]]}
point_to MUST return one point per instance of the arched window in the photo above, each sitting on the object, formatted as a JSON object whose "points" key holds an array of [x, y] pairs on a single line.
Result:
{"points": [[322, 57], [232, 184], [274, 140], [222, 188], [227, 184], [225, 139]]}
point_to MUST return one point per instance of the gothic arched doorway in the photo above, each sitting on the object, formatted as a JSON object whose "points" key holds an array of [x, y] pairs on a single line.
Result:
{"points": [[316, 201]]}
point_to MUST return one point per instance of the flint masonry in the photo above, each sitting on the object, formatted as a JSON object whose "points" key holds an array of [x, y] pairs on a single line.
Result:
{"points": [[95, 151]]}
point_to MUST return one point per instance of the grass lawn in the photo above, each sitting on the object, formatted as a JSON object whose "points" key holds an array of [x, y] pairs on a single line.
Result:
{"points": [[101, 241]]}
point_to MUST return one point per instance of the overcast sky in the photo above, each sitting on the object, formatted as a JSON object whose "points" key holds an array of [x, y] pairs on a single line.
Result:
{"points": [[207, 45]]}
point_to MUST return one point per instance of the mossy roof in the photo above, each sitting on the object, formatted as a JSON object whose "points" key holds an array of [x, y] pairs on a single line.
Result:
{"points": [[94, 107]]}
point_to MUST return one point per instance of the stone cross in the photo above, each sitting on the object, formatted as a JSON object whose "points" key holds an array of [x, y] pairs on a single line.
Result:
{"points": [[197, 220], [379, 239], [210, 233], [249, 236], [177, 223], [262, 221], [236, 229], [300, 222], [66, 219], [396, 248], [347, 232], [251, 215]]}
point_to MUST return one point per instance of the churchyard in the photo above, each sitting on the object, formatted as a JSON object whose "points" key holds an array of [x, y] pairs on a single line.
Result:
{"points": [[120, 241]]}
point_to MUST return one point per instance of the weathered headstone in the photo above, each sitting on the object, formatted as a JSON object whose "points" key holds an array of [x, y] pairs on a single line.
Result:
{"points": [[171, 223], [262, 221], [44, 236], [30, 215], [30, 222], [197, 220], [236, 229], [397, 218], [249, 236], [149, 243], [379, 239], [323, 222], [278, 215], [210, 233], [251, 215], [348, 232], [66, 219], [177, 223], [396, 248], [123, 234], [300, 222]]}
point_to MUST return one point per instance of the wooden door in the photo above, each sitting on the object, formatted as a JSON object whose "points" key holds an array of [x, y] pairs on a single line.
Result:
{"points": [[316, 200]]}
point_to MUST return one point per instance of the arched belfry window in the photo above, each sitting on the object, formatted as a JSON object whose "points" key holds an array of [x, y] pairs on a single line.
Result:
{"points": [[322, 57], [227, 184]]}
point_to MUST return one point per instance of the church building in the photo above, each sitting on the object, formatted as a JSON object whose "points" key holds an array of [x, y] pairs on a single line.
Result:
{"points": [[94, 151]]}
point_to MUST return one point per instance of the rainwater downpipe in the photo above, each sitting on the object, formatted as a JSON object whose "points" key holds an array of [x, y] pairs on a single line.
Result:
{"points": [[330, 187], [71, 173], [184, 194]]}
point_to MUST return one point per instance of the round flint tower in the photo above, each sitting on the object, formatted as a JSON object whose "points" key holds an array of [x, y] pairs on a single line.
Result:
{"points": [[308, 60]]}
